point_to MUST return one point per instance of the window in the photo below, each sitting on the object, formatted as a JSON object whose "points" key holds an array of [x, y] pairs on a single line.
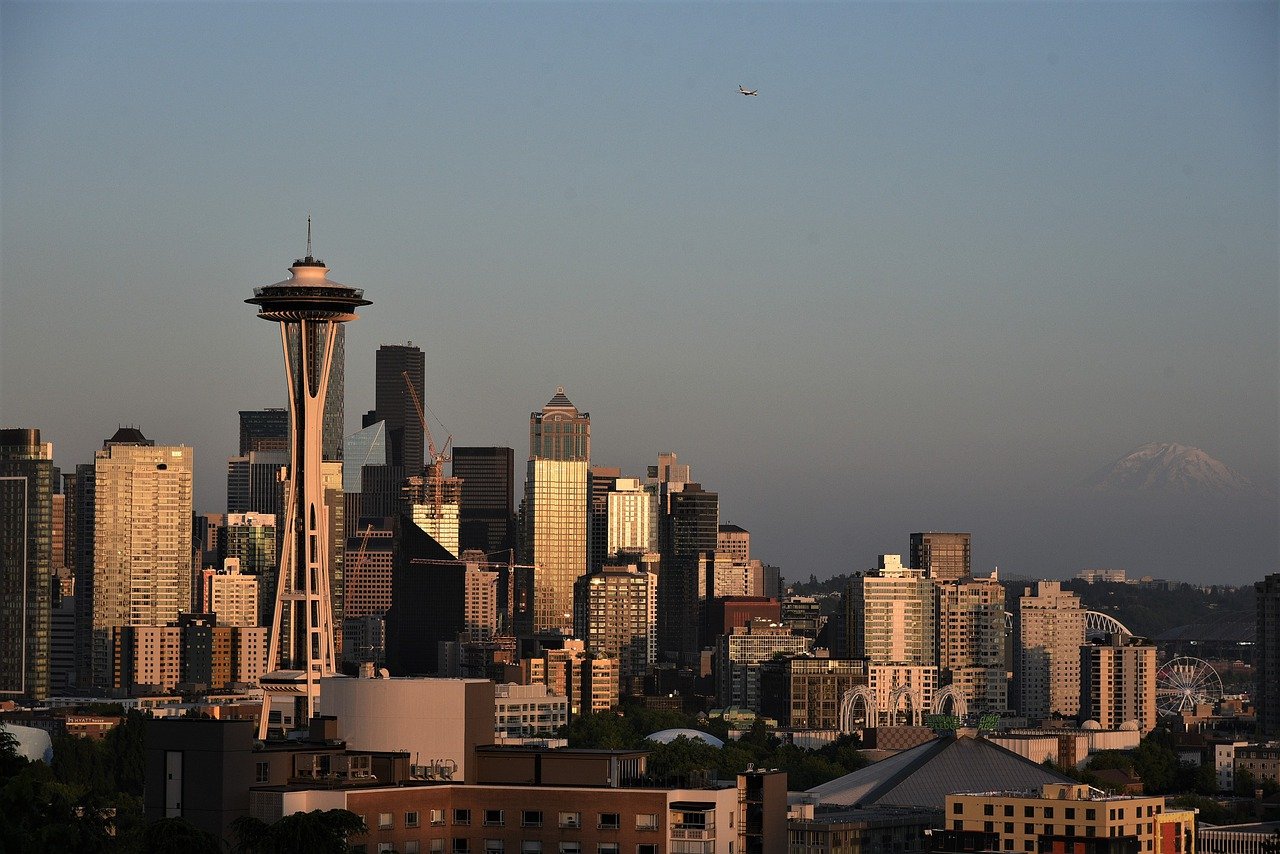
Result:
{"points": [[262, 772], [531, 846], [1008, 827], [461, 817], [570, 848], [1071, 812], [1091, 815], [988, 809], [1088, 831], [1008, 845], [1028, 846], [437, 818], [411, 846], [494, 846], [957, 825], [384, 821], [461, 845], [493, 818], [957, 808], [1028, 812], [411, 819], [607, 848], [608, 821], [1048, 812], [531, 818], [385, 848], [437, 846], [1008, 810], [647, 848], [646, 821], [988, 827], [571, 819]]}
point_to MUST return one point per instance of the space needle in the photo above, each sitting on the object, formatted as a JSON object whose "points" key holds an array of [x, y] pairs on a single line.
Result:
{"points": [[308, 306]]}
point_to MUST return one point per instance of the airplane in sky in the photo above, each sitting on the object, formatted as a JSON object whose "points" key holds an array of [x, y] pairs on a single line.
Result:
{"points": [[748, 91]]}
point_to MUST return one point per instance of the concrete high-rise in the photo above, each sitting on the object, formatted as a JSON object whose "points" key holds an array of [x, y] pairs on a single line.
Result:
{"points": [[141, 539], [486, 510], [26, 572], [971, 642], [310, 310], [894, 615], [632, 519], [554, 539], [943, 556], [255, 484], [394, 404], [1267, 638], [1118, 682], [1048, 631], [250, 539], [616, 616]]}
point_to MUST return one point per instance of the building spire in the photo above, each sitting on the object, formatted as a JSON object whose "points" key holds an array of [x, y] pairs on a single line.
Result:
{"points": [[308, 235]]}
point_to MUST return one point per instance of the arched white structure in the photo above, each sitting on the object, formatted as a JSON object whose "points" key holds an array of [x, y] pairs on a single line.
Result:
{"points": [[1098, 624], [959, 706], [896, 696], [851, 698]]}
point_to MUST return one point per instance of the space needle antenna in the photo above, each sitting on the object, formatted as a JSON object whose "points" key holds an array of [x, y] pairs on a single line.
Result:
{"points": [[308, 235]]}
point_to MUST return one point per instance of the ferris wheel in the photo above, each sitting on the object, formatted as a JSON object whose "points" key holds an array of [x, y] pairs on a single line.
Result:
{"points": [[1183, 683]]}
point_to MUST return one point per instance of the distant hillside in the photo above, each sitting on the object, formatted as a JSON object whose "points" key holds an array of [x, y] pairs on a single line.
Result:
{"points": [[1146, 611]]}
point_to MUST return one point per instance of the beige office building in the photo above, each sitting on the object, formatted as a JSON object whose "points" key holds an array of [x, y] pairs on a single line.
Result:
{"points": [[971, 642], [142, 539], [632, 518], [1118, 682], [616, 614], [555, 509], [1048, 633], [230, 594]]}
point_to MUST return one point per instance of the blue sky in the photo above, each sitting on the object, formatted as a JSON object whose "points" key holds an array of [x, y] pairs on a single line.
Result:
{"points": [[953, 259]]}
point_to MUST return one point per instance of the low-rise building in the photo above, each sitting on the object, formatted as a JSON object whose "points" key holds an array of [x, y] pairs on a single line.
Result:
{"points": [[1038, 820]]}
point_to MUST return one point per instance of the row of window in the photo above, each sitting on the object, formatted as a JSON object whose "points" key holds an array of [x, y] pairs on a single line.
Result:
{"points": [[1090, 814], [528, 818]]}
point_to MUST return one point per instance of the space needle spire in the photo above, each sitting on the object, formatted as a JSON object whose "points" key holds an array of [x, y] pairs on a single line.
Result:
{"points": [[308, 307]]}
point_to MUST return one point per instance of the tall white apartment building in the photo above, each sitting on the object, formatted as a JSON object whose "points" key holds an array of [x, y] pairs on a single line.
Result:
{"points": [[1048, 633], [632, 518], [1118, 682], [230, 594]]}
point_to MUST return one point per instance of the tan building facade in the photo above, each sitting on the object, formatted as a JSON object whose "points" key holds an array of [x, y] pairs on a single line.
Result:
{"points": [[1072, 812], [142, 541], [971, 642]]}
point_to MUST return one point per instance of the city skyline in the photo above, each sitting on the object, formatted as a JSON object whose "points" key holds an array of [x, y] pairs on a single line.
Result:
{"points": [[949, 262]]}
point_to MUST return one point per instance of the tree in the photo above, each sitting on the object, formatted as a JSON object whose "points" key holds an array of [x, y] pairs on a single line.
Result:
{"points": [[315, 832]]}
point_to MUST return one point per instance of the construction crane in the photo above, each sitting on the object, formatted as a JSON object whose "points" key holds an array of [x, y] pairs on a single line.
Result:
{"points": [[436, 459]]}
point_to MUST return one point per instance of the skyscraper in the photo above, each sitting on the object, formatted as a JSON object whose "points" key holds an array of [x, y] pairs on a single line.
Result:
{"points": [[942, 556], [688, 529], [310, 309], [26, 539], [264, 430], [141, 539], [394, 404], [555, 508], [971, 642], [1048, 631], [1118, 682], [486, 511], [600, 482], [894, 616], [616, 615], [1267, 636]]}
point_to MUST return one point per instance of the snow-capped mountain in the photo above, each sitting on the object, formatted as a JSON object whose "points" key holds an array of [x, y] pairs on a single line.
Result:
{"points": [[1171, 468]]}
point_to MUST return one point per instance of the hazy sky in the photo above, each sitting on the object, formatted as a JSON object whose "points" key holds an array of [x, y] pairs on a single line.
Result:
{"points": [[951, 261]]}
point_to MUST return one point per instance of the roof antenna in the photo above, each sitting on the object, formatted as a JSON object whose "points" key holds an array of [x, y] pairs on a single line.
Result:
{"points": [[308, 235]]}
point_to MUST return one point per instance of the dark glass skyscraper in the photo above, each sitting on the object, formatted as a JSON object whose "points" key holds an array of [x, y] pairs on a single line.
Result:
{"points": [[1267, 630], [26, 542], [944, 556], [688, 529], [394, 404], [486, 515], [264, 430]]}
